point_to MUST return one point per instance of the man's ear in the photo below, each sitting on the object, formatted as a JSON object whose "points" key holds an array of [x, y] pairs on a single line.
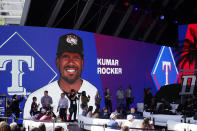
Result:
{"points": [[57, 62], [82, 62]]}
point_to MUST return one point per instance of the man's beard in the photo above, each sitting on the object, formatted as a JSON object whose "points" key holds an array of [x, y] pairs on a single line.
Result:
{"points": [[70, 81]]}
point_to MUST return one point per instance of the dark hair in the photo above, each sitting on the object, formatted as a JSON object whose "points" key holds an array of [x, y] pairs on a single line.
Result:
{"points": [[83, 93], [125, 128], [90, 108], [34, 98], [46, 91], [72, 90], [35, 129], [58, 128], [146, 123], [42, 127], [5, 126], [14, 96]]}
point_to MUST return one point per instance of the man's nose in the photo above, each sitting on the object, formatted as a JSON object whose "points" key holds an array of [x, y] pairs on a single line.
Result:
{"points": [[71, 61]]}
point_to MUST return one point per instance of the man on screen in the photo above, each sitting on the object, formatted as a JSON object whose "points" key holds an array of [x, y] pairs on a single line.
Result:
{"points": [[69, 62]]}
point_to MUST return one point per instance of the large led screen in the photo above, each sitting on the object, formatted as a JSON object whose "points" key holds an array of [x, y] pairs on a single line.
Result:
{"points": [[28, 64]]}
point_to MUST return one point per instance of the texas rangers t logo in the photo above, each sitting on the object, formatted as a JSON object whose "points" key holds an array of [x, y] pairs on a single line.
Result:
{"points": [[16, 71], [164, 71]]}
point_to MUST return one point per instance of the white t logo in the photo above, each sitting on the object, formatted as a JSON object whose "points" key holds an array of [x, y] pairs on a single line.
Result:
{"points": [[165, 66], [16, 71]]}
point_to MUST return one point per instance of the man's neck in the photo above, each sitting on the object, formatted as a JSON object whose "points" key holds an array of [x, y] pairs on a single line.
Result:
{"points": [[66, 87]]}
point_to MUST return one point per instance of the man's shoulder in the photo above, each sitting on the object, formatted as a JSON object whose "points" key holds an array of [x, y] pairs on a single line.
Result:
{"points": [[45, 88], [88, 84]]}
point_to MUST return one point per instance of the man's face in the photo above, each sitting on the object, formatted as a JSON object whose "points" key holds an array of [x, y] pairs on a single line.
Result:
{"points": [[45, 94], [70, 66], [62, 95]]}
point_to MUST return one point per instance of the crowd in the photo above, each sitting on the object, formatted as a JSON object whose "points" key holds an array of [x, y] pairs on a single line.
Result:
{"points": [[4, 126], [68, 104]]}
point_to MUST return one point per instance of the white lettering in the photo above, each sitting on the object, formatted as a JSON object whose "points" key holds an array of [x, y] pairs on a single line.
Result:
{"points": [[165, 65], [112, 62], [109, 70], [16, 71]]}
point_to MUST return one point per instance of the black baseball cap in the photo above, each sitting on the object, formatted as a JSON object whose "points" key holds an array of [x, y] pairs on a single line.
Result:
{"points": [[70, 43]]}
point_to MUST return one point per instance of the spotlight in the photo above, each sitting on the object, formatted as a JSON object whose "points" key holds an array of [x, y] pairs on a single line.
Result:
{"points": [[135, 8], [175, 22], [162, 17]]}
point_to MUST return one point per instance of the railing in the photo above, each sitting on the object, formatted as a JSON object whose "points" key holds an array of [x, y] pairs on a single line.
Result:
{"points": [[79, 125]]}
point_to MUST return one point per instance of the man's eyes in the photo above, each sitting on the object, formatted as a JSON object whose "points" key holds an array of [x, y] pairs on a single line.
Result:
{"points": [[74, 58]]}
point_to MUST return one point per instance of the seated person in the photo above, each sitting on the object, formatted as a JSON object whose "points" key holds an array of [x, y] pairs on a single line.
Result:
{"points": [[89, 114], [151, 107], [113, 124], [47, 116], [119, 114], [164, 107], [104, 114], [134, 114], [85, 109], [39, 115], [131, 122], [146, 124]]}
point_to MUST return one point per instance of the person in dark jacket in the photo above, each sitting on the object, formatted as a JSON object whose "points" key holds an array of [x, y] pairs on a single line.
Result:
{"points": [[14, 105]]}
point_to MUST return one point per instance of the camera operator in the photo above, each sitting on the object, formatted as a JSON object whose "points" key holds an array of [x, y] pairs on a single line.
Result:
{"points": [[73, 104]]}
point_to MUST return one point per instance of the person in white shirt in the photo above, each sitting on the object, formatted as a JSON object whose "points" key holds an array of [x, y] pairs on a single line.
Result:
{"points": [[131, 122], [62, 107], [70, 62]]}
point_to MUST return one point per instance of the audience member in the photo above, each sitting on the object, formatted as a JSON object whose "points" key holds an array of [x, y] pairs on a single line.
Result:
{"points": [[113, 124], [62, 107], [59, 128], [120, 97], [85, 109], [129, 98], [4, 126], [35, 129], [152, 106], [14, 126], [89, 114], [131, 122], [125, 128], [119, 114], [164, 107], [96, 115], [34, 107], [104, 114], [146, 124], [108, 103], [46, 100], [97, 101], [42, 127], [134, 114]]}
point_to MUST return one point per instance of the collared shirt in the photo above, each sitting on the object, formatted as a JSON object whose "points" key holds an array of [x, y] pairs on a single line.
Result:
{"points": [[120, 94], [63, 103], [46, 100]]}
